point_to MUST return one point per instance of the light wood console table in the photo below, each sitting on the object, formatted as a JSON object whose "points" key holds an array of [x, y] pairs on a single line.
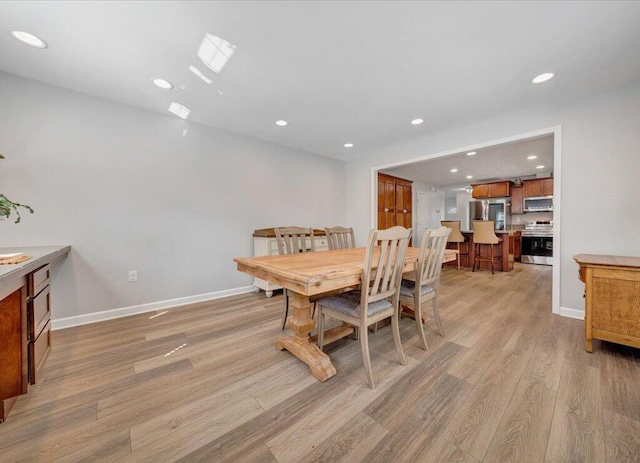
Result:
{"points": [[612, 298]]}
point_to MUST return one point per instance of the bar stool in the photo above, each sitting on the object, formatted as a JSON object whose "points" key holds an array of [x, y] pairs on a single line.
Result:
{"points": [[483, 234], [455, 237]]}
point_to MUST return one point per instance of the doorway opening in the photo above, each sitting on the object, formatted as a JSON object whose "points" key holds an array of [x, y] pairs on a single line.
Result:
{"points": [[452, 173]]}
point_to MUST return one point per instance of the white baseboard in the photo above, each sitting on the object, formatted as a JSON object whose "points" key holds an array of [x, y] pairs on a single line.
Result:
{"points": [[572, 313], [78, 320]]}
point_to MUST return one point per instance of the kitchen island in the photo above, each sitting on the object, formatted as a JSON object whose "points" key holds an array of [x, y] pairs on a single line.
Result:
{"points": [[25, 319], [504, 264]]}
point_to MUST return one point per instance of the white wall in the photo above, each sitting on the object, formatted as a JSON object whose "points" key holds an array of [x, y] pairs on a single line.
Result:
{"points": [[600, 168], [127, 190]]}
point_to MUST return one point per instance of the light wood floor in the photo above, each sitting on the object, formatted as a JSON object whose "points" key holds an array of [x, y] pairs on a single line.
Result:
{"points": [[510, 382]]}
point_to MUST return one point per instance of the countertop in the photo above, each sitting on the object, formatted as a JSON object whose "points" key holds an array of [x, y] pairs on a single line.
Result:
{"points": [[497, 232], [41, 255]]}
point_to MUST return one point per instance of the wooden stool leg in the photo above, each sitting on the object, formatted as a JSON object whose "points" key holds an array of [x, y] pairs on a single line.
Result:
{"points": [[491, 259], [458, 255]]}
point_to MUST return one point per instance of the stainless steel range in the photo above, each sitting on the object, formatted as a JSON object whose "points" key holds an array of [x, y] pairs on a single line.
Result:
{"points": [[537, 242]]}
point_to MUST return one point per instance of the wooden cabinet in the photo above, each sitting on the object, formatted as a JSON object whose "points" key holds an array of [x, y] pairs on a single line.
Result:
{"points": [[492, 190], [395, 199], [538, 187], [13, 345], [612, 298], [38, 320], [517, 200], [265, 244], [517, 246]]}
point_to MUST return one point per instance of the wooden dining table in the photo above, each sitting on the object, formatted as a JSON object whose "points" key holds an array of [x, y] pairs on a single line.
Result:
{"points": [[309, 276]]}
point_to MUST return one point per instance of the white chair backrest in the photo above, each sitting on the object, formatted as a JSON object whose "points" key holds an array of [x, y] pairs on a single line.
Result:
{"points": [[384, 261], [340, 238], [434, 243], [293, 240]]}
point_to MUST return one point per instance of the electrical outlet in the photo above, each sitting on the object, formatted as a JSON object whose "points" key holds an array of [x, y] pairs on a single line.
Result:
{"points": [[133, 276]]}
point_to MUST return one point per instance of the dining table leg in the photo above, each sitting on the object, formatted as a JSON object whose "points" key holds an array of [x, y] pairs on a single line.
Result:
{"points": [[300, 344]]}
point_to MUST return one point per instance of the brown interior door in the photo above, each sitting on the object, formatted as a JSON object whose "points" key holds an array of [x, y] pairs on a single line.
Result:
{"points": [[386, 202]]}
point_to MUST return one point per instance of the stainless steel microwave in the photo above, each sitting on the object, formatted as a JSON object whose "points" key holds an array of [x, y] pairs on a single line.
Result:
{"points": [[538, 204]]}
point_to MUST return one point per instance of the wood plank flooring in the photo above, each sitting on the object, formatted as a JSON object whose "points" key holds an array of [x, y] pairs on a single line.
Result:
{"points": [[509, 382]]}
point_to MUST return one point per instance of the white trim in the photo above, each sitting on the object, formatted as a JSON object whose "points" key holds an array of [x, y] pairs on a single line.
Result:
{"points": [[571, 313], [85, 319], [557, 156]]}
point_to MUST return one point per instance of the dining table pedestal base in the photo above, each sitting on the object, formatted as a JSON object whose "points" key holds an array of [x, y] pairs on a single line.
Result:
{"points": [[300, 343]]}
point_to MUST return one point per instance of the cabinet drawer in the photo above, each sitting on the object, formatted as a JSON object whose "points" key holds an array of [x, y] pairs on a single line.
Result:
{"points": [[37, 280], [38, 352], [39, 312]]}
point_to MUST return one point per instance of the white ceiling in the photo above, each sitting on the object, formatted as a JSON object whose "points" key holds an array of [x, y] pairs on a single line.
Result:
{"points": [[497, 162], [336, 71]]}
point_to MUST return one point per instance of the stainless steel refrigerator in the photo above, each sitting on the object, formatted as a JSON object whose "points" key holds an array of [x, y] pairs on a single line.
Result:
{"points": [[498, 210]]}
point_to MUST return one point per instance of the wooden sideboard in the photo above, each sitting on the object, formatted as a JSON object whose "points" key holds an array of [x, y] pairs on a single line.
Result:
{"points": [[25, 321], [612, 298], [265, 244]]}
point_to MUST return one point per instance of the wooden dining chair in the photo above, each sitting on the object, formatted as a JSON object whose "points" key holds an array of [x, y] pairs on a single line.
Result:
{"points": [[381, 276], [427, 278], [340, 238], [293, 240]]}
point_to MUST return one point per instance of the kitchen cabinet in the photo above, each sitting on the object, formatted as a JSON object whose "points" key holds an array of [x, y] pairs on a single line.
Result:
{"points": [[517, 200], [265, 244], [25, 321], [492, 190], [612, 305], [538, 187], [395, 199]]}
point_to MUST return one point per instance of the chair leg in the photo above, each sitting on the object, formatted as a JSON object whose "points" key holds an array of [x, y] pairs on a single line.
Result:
{"points": [[395, 328], [364, 345], [285, 310], [417, 309], [320, 328], [436, 313], [458, 256]]}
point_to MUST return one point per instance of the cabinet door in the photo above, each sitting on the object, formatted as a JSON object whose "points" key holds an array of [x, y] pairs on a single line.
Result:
{"points": [[403, 205], [480, 191], [532, 188], [386, 202], [547, 186], [499, 189], [517, 206], [13, 340]]}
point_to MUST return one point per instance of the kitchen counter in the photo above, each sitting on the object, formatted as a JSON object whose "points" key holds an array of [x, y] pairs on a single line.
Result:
{"points": [[41, 255]]}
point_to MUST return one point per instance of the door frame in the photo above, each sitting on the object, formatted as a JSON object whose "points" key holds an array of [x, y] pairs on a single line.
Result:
{"points": [[556, 131]]}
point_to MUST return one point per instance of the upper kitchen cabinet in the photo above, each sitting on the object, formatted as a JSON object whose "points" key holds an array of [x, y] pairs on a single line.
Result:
{"points": [[394, 202], [538, 187], [492, 190], [517, 200]]}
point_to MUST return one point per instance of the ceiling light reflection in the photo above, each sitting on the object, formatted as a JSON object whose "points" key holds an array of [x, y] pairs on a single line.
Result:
{"points": [[158, 314], [197, 72], [179, 110], [175, 350], [215, 52]]}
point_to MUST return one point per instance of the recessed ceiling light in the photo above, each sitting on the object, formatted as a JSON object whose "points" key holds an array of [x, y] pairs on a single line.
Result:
{"points": [[454, 170], [533, 156], [282, 123], [348, 145], [471, 153], [417, 121], [179, 110], [163, 84], [469, 176], [543, 78], [539, 167], [29, 39]]}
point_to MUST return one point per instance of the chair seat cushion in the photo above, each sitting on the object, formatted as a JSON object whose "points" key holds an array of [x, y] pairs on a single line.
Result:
{"points": [[349, 304], [407, 287]]}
